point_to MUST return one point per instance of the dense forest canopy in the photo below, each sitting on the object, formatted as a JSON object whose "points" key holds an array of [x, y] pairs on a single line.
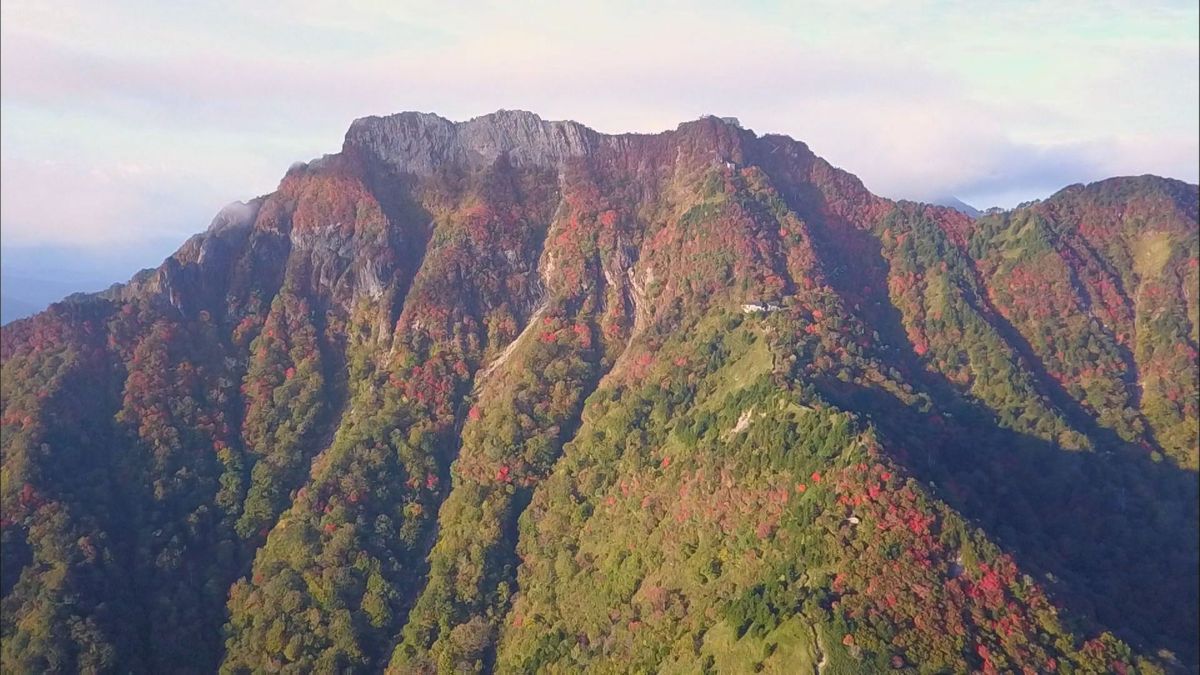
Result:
{"points": [[511, 395]]}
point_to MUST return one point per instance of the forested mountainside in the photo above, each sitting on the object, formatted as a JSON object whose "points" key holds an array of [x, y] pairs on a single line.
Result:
{"points": [[512, 395]]}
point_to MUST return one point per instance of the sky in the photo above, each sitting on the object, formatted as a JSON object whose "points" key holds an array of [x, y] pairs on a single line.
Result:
{"points": [[125, 125]]}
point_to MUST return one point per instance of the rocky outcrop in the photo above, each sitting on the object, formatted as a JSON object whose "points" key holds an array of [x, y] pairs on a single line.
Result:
{"points": [[416, 143]]}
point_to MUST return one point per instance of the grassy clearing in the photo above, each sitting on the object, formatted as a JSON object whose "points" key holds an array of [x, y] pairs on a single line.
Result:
{"points": [[1151, 252]]}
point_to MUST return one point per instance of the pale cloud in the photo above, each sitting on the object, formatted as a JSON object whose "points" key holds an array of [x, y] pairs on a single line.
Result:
{"points": [[122, 205], [989, 100]]}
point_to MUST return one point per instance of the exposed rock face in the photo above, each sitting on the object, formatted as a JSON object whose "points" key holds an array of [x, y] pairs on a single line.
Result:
{"points": [[419, 142]]}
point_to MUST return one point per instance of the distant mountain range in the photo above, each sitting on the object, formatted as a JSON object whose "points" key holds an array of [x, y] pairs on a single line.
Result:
{"points": [[31, 278], [512, 395], [958, 205]]}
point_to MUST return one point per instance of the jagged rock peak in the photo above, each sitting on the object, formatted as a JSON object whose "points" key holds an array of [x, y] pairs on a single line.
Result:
{"points": [[418, 142]]}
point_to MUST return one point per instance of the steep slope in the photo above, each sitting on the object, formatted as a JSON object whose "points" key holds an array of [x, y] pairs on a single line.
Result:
{"points": [[514, 395]]}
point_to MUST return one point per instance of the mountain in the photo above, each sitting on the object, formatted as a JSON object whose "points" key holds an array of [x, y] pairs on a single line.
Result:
{"points": [[513, 395], [958, 205]]}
